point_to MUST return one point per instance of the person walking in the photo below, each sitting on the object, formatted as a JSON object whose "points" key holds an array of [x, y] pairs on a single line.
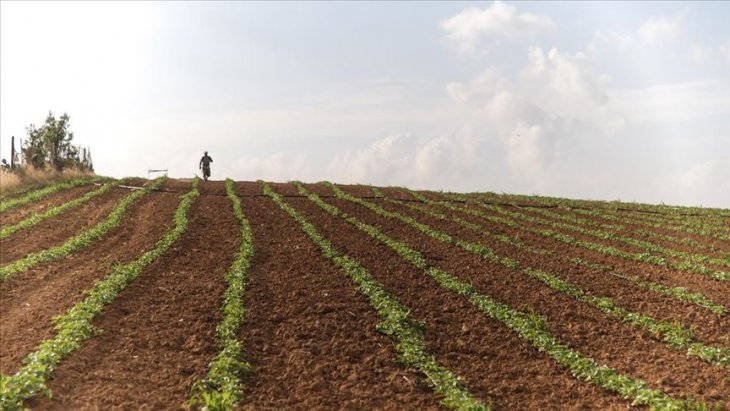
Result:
{"points": [[205, 165]]}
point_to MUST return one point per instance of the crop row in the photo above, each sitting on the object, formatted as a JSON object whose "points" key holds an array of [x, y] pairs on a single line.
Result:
{"points": [[646, 232], [55, 211], [221, 389], [659, 210], [397, 322], [74, 327], [604, 249], [529, 327], [671, 218], [611, 236], [673, 335], [81, 240], [9, 204], [679, 293], [612, 233]]}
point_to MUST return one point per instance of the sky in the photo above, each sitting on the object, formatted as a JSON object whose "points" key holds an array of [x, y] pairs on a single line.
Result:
{"points": [[599, 100]]}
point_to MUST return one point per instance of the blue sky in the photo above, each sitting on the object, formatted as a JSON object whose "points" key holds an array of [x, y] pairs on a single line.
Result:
{"points": [[615, 100]]}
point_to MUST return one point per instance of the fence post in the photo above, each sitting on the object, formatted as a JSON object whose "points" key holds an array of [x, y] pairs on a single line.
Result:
{"points": [[12, 153]]}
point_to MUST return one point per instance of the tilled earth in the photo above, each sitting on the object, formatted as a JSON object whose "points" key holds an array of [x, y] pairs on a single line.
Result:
{"points": [[310, 337]]}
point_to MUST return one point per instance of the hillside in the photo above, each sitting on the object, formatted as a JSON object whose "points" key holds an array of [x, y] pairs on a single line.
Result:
{"points": [[357, 297]]}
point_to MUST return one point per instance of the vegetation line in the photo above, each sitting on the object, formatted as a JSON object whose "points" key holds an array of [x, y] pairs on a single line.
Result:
{"points": [[397, 322], [74, 327], [672, 221], [611, 231], [221, 389], [604, 249], [9, 204], [677, 293], [614, 206], [674, 335], [529, 327], [613, 236], [81, 240], [55, 211], [677, 238]]}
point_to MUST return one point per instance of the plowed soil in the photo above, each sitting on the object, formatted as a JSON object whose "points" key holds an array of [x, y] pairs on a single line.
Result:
{"points": [[310, 336], [53, 232], [56, 199]]}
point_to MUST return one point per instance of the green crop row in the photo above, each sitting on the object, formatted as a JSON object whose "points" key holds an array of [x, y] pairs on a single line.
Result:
{"points": [[74, 327], [611, 216], [221, 389], [678, 293], [611, 236], [660, 210], [397, 322], [81, 240], [672, 334], [52, 212], [529, 327], [667, 217], [11, 203], [608, 250]]}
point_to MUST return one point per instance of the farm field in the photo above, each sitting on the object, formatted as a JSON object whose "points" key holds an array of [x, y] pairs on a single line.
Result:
{"points": [[169, 294]]}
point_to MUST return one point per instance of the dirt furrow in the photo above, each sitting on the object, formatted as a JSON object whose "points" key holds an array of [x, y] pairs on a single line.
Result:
{"points": [[19, 214], [632, 228], [544, 223], [709, 328], [618, 345], [29, 300], [495, 363], [57, 230], [309, 335], [717, 291], [159, 335]]}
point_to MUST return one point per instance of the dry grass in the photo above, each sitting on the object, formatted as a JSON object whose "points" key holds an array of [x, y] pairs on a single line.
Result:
{"points": [[29, 178]]}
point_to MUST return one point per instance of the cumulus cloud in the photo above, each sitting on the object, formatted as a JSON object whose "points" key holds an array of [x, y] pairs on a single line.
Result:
{"points": [[404, 159], [467, 28], [705, 180], [276, 167], [611, 40], [673, 103], [659, 31], [523, 125]]}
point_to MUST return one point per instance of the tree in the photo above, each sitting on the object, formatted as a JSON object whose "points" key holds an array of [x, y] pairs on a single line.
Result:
{"points": [[51, 145]]}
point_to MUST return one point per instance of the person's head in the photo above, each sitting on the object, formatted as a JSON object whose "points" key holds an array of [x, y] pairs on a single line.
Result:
{"points": [[206, 153]]}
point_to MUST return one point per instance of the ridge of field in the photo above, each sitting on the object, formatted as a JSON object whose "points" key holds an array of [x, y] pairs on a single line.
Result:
{"points": [[359, 297]]}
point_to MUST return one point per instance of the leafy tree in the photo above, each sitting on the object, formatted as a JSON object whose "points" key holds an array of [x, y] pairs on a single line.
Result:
{"points": [[51, 145]]}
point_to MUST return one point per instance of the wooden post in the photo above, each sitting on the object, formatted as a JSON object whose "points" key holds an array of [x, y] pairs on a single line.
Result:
{"points": [[12, 153]]}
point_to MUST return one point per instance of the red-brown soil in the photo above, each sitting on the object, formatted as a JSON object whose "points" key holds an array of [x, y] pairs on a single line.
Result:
{"points": [[159, 335], [709, 327], [55, 231], [16, 215], [29, 300], [309, 335], [585, 328], [718, 291]]}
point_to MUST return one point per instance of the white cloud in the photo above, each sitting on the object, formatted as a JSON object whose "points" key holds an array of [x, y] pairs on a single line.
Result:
{"points": [[466, 28], [276, 167], [725, 50], [403, 159], [705, 180], [659, 31], [673, 103], [386, 159], [610, 40], [521, 127]]}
